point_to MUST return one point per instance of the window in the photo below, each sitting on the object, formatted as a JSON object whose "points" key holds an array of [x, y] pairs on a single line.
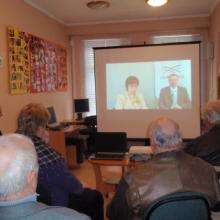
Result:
{"points": [[89, 66]]}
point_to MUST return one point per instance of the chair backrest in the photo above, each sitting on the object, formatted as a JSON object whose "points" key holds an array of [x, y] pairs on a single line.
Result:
{"points": [[179, 206], [90, 121]]}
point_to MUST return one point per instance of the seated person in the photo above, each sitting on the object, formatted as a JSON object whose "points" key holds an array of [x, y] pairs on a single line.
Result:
{"points": [[18, 181], [174, 96], [132, 98], [169, 171], [207, 146], [54, 175]]}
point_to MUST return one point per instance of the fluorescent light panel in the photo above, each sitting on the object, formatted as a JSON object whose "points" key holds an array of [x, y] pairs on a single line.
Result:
{"points": [[156, 3]]}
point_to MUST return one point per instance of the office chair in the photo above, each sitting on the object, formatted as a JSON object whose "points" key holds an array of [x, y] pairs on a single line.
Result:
{"points": [[90, 130], [179, 206]]}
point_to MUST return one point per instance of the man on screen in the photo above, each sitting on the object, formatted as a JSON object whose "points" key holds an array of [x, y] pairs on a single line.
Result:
{"points": [[174, 96], [132, 98]]}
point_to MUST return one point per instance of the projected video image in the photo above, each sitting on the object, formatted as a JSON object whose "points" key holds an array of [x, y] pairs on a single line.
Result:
{"points": [[149, 85]]}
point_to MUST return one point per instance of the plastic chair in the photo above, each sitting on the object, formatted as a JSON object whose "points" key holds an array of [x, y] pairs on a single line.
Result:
{"points": [[179, 206]]}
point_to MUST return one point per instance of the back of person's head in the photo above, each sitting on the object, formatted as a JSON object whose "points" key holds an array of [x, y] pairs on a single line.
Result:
{"points": [[211, 112], [131, 80], [18, 159], [165, 134], [31, 118]]}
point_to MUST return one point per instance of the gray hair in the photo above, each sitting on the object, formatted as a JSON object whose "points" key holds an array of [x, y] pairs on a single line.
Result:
{"points": [[160, 138], [14, 177], [212, 112], [31, 118]]}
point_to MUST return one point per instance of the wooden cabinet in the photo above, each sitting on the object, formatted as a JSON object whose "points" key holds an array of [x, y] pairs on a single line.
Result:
{"points": [[57, 141]]}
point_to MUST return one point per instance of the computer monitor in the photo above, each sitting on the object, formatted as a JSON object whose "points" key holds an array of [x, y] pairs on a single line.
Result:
{"points": [[53, 118], [80, 106]]}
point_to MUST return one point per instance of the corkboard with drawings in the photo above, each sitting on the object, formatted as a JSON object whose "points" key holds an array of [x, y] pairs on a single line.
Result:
{"points": [[35, 65]]}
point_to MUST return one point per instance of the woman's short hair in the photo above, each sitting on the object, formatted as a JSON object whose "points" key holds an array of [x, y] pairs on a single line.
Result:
{"points": [[131, 80], [212, 112], [31, 118], [14, 177]]}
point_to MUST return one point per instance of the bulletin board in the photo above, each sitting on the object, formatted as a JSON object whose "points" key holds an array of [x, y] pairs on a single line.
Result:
{"points": [[19, 61], [35, 64]]}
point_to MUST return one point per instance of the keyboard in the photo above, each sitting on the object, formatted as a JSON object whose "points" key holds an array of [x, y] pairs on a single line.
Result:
{"points": [[109, 156]]}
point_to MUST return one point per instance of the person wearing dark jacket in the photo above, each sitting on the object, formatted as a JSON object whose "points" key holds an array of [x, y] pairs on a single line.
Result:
{"points": [[174, 96], [207, 146], [169, 171], [54, 175]]}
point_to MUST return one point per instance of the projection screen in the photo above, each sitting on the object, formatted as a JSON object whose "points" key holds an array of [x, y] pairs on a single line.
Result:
{"points": [[138, 84]]}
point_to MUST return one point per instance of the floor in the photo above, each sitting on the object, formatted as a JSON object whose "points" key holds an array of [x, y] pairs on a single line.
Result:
{"points": [[86, 175]]}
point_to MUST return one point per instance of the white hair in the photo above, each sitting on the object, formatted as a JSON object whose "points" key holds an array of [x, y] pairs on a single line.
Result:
{"points": [[14, 178], [212, 112]]}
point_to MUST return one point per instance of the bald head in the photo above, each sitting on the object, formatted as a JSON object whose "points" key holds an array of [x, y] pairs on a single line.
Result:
{"points": [[17, 159], [165, 133]]}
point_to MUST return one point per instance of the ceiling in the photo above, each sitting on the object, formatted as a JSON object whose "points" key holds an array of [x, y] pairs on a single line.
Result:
{"points": [[75, 12]]}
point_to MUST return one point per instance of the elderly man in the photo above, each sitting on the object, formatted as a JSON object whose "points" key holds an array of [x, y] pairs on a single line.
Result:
{"points": [[169, 171], [207, 146], [18, 180]]}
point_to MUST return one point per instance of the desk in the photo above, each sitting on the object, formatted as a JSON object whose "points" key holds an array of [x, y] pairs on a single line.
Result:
{"points": [[102, 186], [74, 122], [57, 141]]}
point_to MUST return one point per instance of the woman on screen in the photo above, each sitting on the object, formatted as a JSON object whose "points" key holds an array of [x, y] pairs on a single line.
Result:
{"points": [[131, 98]]}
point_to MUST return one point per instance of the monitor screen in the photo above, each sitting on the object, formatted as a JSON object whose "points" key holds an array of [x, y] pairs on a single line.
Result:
{"points": [[81, 105], [52, 115], [111, 142]]}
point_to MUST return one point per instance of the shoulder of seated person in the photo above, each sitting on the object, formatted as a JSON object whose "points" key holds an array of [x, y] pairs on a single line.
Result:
{"points": [[66, 213]]}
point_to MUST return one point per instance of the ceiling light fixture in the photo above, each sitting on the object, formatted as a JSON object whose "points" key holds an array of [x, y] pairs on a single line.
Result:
{"points": [[98, 4], [156, 3]]}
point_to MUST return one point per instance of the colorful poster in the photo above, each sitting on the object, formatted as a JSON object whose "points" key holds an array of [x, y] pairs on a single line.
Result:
{"points": [[36, 65], [43, 66], [19, 61], [61, 68]]}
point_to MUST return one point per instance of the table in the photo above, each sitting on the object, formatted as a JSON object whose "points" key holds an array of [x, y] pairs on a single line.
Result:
{"points": [[101, 185], [57, 141]]}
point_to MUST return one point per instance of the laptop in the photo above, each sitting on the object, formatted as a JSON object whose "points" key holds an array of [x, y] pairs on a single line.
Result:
{"points": [[52, 123], [110, 145]]}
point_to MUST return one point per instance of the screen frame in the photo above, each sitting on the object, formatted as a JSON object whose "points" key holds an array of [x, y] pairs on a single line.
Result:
{"points": [[155, 45]]}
